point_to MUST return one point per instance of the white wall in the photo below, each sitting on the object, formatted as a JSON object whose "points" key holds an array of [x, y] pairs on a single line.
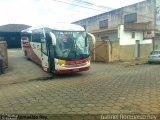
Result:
{"points": [[125, 37]]}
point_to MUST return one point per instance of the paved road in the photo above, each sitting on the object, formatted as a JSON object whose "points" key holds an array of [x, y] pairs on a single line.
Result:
{"points": [[105, 89], [20, 69]]}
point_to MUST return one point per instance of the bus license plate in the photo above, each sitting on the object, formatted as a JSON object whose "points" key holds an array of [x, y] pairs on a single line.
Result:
{"points": [[76, 70]]}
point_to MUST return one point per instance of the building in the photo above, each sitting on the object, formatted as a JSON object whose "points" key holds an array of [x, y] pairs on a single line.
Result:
{"points": [[11, 33], [135, 28]]}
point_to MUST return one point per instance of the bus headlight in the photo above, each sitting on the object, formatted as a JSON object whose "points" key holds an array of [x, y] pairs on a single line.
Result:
{"points": [[61, 62]]}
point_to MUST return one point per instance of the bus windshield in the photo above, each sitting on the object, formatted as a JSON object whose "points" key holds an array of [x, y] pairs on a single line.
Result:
{"points": [[71, 45]]}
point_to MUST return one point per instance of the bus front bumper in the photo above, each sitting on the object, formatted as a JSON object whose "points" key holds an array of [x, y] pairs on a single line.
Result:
{"points": [[67, 71]]}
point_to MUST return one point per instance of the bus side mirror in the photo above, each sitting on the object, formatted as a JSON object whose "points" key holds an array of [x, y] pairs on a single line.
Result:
{"points": [[92, 37], [53, 38], [94, 45]]}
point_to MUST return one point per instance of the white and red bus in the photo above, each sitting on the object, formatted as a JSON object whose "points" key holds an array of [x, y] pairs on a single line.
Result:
{"points": [[60, 48]]}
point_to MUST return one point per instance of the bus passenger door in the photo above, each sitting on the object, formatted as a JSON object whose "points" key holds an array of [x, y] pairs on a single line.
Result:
{"points": [[44, 55], [51, 53], [51, 57]]}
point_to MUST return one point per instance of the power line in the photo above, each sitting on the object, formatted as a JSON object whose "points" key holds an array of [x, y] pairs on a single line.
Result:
{"points": [[82, 1], [78, 5], [91, 4]]}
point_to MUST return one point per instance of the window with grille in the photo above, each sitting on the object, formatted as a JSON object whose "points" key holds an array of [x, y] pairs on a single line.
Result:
{"points": [[103, 24], [130, 18]]}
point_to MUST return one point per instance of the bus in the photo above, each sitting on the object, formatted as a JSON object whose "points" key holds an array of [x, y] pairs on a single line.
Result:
{"points": [[59, 49]]}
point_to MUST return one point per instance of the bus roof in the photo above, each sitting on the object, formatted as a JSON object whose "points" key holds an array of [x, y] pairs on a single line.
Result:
{"points": [[59, 26]]}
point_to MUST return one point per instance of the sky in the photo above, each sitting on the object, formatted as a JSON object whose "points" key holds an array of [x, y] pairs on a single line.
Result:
{"points": [[36, 12]]}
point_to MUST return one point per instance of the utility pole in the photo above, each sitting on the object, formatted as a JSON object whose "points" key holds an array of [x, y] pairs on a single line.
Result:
{"points": [[154, 24]]}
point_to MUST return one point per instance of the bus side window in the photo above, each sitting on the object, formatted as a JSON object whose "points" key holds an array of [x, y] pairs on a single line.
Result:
{"points": [[44, 45], [36, 37], [48, 39]]}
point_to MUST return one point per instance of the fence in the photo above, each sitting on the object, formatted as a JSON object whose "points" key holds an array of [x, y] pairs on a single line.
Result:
{"points": [[111, 51], [3, 53], [101, 51]]}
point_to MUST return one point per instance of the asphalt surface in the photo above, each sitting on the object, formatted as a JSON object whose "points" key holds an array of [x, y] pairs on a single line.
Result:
{"points": [[116, 88]]}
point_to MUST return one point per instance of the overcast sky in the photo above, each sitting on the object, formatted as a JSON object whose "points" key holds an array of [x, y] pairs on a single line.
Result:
{"points": [[34, 12]]}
